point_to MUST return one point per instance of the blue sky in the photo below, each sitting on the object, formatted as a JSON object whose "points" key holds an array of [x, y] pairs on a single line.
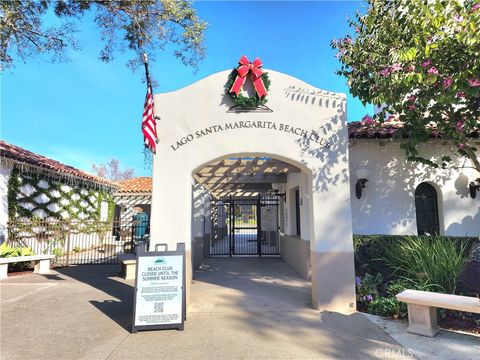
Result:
{"points": [[84, 111]]}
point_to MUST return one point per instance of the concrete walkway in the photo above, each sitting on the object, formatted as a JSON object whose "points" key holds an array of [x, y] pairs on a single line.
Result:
{"points": [[242, 308], [447, 345]]}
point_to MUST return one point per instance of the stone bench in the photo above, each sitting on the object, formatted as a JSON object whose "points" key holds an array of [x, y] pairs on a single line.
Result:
{"points": [[128, 263], [42, 263], [422, 309]]}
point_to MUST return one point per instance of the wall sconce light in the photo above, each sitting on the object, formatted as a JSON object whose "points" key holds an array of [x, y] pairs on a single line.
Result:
{"points": [[276, 192], [474, 186], [362, 175]]}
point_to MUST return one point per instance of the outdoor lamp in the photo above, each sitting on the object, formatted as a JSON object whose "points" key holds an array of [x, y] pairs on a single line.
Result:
{"points": [[474, 186], [362, 175], [276, 192]]}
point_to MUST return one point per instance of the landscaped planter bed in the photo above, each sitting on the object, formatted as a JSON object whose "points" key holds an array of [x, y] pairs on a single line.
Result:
{"points": [[436, 264], [457, 320]]}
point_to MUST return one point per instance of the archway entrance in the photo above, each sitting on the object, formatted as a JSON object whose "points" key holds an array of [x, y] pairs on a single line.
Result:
{"points": [[245, 209], [305, 130]]}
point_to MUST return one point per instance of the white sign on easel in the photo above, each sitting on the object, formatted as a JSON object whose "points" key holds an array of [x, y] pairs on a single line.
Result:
{"points": [[159, 301]]}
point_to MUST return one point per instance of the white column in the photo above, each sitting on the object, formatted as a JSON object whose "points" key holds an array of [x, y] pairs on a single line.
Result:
{"points": [[171, 208], [331, 250]]}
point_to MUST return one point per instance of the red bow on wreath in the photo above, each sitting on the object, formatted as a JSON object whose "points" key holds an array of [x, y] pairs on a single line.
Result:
{"points": [[243, 69]]}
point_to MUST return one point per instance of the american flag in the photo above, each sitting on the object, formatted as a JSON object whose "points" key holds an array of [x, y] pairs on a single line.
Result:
{"points": [[149, 129]]}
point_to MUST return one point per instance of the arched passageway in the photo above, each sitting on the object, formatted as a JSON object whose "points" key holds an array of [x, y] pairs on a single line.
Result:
{"points": [[252, 206], [304, 131]]}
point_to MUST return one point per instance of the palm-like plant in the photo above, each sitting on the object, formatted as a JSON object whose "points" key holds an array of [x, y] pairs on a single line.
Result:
{"points": [[436, 260]]}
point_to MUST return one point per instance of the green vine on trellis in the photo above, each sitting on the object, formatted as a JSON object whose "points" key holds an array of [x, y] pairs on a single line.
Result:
{"points": [[66, 201], [12, 188]]}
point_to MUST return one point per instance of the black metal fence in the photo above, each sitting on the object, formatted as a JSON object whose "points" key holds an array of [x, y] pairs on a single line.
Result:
{"points": [[78, 242], [243, 226]]}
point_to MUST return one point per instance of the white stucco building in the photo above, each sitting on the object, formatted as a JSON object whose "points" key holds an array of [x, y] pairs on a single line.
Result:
{"points": [[33, 186], [213, 160], [391, 202], [301, 136], [132, 195], [289, 179], [217, 168]]}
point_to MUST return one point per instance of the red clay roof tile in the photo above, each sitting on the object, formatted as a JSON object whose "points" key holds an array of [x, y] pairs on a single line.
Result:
{"points": [[360, 130], [21, 155], [134, 185]]}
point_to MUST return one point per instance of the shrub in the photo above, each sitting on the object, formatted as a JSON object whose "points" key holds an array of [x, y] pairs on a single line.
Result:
{"points": [[405, 262], [368, 288], [58, 252], [435, 261], [388, 305], [475, 253], [469, 283], [385, 306], [54, 247], [7, 251], [369, 253], [369, 284]]}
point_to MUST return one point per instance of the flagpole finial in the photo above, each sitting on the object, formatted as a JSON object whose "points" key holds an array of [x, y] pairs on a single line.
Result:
{"points": [[145, 58]]}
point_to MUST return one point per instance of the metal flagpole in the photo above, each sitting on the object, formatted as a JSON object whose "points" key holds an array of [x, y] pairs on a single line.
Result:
{"points": [[153, 155], [149, 84], [145, 62]]}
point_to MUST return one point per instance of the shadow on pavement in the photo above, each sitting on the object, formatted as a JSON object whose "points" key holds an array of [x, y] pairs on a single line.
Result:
{"points": [[106, 279], [272, 301], [52, 277]]}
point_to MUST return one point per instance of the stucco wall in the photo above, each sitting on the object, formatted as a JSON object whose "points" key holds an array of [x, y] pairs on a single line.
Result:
{"points": [[297, 181], [200, 205], [293, 103], [306, 128], [296, 253], [4, 176], [387, 205]]}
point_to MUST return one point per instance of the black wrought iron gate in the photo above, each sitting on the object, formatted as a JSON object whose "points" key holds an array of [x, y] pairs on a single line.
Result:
{"points": [[243, 226]]}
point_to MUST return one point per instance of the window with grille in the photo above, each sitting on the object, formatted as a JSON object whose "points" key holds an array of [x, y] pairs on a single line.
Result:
{"points": [[426, 208]]}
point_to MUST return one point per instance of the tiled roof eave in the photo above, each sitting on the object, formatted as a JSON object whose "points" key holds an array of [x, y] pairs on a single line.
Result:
{"points": [[132, 193], [30, 161], [400, 139], [70, 178], [360, 130], [136, 185]]}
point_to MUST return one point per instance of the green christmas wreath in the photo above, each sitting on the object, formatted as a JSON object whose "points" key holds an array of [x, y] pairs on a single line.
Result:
{"points": [[245, 102]]}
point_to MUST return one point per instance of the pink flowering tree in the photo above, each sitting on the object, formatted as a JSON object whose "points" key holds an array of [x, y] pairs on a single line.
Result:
{"points": [[420, 61], [113, 171]]}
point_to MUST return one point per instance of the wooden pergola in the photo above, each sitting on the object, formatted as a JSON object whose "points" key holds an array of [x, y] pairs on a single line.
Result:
{"points": [[243, 176]]}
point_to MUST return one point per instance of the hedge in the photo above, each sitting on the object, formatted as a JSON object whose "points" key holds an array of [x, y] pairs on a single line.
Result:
{"points": [[369, 252]]}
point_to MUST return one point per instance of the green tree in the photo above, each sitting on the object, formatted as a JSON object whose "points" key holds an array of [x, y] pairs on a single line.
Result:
{"points": [[420, 60], [140, 26]]}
